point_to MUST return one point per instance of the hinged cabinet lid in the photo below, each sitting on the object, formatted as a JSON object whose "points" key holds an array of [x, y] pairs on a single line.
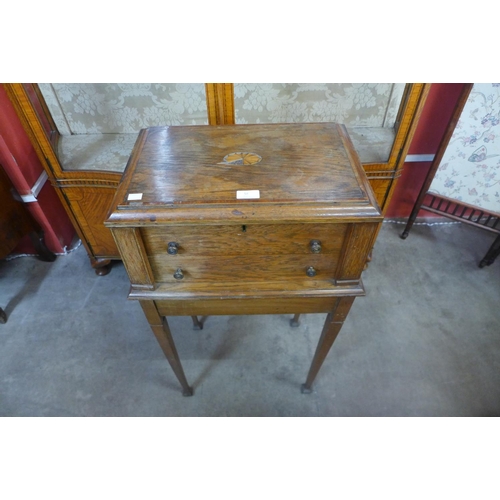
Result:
{"points": [[241, 165]]}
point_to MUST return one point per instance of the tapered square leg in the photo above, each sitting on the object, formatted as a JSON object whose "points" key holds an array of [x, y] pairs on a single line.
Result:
{"points": [[331, 329], [295, 321], [163, 335], [197, 324]]}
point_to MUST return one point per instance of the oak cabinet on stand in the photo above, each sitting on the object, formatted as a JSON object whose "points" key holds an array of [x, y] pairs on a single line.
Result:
{"points": [[244, 219]]}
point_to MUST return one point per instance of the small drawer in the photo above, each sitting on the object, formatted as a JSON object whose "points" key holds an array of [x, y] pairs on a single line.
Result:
{"points": [[251, 239], [242, 268]]}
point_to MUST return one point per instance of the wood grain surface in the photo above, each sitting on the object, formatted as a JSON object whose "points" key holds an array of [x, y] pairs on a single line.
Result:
{"points": [[269, 289], [256, 306], [300, 162], [129, 243], [244, 239], [232, 256], [242, 268], [89, 206]]}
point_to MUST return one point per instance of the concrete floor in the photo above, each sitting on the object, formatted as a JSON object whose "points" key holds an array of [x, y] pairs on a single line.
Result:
{"points": [[425, 341]]}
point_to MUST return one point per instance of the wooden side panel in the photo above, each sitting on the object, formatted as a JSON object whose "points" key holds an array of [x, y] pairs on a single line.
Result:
{"points": [[380, 188], [131, 247], [90, 207], [358, 244], [209, 307]]}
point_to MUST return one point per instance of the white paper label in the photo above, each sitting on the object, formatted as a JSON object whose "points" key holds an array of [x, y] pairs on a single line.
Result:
{"points": [[248, 195], [134, 196]]}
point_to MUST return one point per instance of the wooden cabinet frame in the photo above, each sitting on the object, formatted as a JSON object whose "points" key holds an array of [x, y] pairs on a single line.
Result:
{"points": [[87, 195]]}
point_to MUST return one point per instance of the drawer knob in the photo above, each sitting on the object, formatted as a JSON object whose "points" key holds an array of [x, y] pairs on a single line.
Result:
{"points": [[315, 246], [311, 272], [172, 248], [178, 275]]}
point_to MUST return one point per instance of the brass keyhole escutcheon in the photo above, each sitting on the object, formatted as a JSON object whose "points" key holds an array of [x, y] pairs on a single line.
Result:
{"points": [[311, 272], [172, 248], [315, 246], [178, 275]]}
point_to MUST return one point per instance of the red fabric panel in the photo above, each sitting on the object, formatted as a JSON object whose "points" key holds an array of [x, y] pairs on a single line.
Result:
{"points": [[436, 114], [19, 159]]}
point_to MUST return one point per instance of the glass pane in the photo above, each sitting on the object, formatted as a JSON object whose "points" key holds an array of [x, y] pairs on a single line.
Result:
{"points": [[99, 122], [369, 110]]}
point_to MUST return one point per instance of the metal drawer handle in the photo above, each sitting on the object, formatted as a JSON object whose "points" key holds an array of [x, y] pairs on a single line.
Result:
{"points": [[315, 246], [178, 275], [172, 248], [311, 272]]}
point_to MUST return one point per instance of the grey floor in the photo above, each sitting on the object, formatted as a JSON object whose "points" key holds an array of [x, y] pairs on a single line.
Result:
{"points": [[425, 341]]}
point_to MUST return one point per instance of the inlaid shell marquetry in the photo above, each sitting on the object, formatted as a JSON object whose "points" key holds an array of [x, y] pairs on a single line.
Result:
{"points": [[241, 159]]}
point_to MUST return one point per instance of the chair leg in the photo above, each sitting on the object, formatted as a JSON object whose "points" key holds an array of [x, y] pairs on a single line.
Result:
{"points": [[295, 321], [197, 324], [492, 254], [38, 240]]}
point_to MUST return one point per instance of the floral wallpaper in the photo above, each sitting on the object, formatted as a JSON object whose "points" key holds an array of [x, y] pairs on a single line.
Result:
{"points": [[470, 168], [354, 104], [123, 108]]}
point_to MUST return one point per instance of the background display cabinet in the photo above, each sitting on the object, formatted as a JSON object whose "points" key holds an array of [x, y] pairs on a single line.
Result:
{"points": [[84, 133]]}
